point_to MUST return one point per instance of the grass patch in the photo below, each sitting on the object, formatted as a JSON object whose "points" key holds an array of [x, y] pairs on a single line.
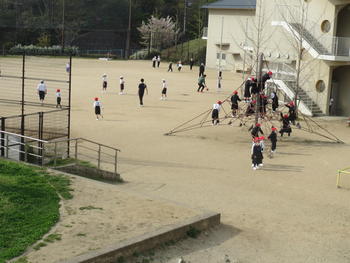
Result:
{"points": [[194, 48], [61, 183], [40, 245], [63, 162], [29, 204], [52, 238], [22, 260], [90, 207], [193, 232], [81, 235]]}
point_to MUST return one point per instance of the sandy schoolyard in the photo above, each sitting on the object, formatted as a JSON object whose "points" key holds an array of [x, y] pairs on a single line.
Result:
{"points": [[289, 211]]}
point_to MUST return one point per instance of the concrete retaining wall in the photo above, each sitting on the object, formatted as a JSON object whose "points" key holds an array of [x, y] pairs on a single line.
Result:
{"points": [[148, 241], [89, 172]]}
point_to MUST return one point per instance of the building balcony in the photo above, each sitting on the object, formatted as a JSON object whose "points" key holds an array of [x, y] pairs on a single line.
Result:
{"points": [[321, 47]]}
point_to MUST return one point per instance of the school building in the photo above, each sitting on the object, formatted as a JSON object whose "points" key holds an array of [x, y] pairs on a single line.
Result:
{"points": [[316, 31]]}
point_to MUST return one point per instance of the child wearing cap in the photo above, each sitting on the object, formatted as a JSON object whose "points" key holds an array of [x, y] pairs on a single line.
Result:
{"points": [[273, 138], [215, 113], [97, 105], [234, 103], [164, 90], [262, 144], [255, 130], [104, 82], [58, 98], [121, 82], [257, 154], [285, 125], [247, 86]]}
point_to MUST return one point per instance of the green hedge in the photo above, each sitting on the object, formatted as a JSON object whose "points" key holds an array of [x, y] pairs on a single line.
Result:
{"points": [[50, 51]]}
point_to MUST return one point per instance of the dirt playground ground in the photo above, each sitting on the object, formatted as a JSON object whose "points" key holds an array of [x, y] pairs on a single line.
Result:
{"points": [[289, 211]]}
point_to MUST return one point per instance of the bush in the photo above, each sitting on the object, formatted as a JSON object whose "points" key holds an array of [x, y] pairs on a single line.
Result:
{"points": [[50, 51]]}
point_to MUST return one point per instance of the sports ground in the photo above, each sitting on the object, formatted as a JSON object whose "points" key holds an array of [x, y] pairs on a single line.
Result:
{"points": [[289, 211]]}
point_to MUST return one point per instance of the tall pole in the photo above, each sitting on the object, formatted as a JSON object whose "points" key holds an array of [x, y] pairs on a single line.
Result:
{"points": [[222, 33], [185, 17], [259, 77], [244, 48], [63, 22], [69, 102], [128, 36]]}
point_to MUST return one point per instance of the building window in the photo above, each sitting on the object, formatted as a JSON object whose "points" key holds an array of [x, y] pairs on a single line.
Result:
{"points": [[320, 86], [223, 56], [325, 26]]}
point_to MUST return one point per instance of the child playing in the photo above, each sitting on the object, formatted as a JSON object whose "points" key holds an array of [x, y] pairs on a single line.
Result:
{"points": [[122, 82], [58, 98], [273, 138], [170, 68], [257, 155], [164, 90], [234, 103], [215, 113], [97, 105], [179, 66], [104, 82]]}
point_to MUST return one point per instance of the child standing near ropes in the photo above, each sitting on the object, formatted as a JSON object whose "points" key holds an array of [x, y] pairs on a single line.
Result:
{"points": [[257, 155], [164, 90], [58, 98], [273, 138], [234, 103], [97, 105], [121, 82], [104, 82], [215, 113], [255, 130]]}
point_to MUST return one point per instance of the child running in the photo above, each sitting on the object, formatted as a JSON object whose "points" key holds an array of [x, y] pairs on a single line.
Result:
{"points": [[179, 66], [122, 82], [104, 82], [170, 68], [164, 90], [97, 105], [58, 98]]}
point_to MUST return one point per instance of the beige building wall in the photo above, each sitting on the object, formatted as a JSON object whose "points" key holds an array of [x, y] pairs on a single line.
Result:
{"points": [[233, 35], [277, 43]]}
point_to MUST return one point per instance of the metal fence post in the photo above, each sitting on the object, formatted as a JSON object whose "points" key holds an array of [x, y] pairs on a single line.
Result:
{"points": [[99, 157], [55, 155], [2, 152], [76, 149], [7, 146]]}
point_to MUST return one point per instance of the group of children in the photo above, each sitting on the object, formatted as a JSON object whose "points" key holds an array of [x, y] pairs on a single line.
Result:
{"points": [[258, 145]]}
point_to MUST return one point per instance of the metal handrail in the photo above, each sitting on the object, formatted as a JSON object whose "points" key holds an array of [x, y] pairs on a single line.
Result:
{"points": [[23, 136], [8, 144]]}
